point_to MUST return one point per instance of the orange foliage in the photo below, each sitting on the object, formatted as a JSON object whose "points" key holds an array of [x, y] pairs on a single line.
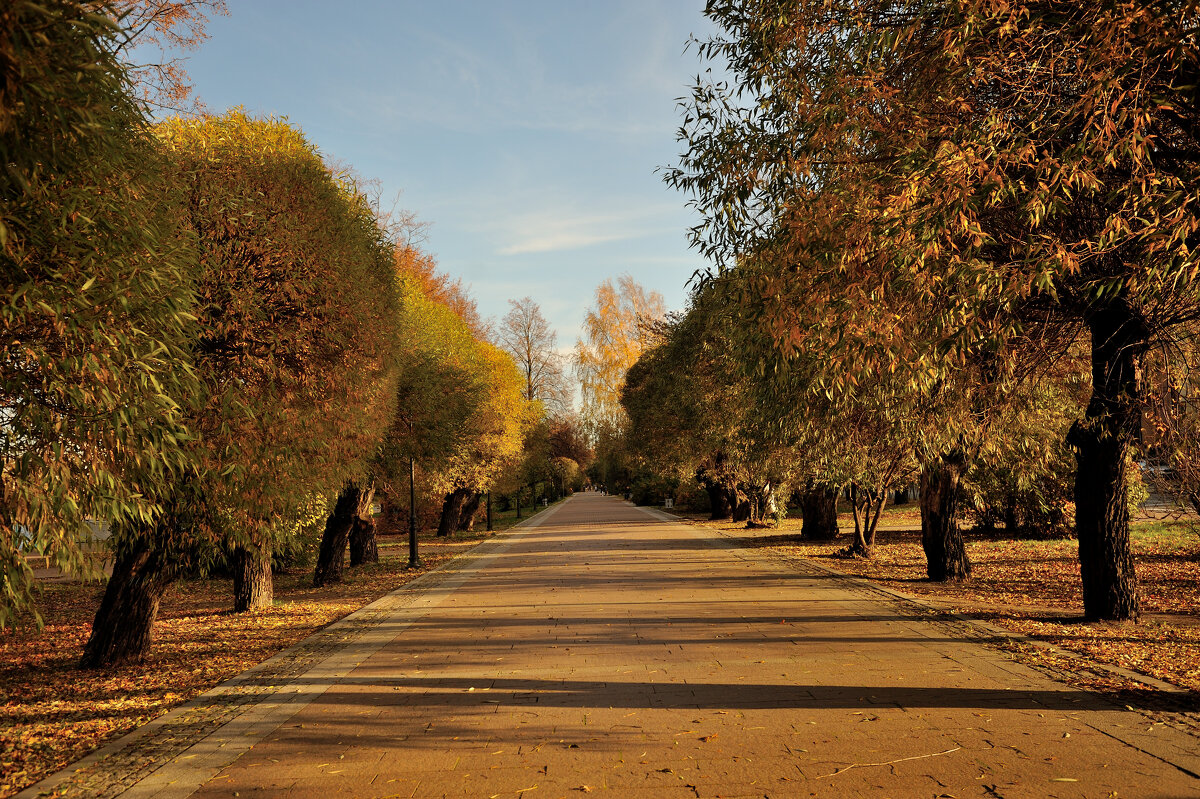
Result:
{"points": [[164, 25], [437, 286]]}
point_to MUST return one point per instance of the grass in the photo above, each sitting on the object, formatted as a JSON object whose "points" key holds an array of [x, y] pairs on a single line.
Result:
{"points": [[1033, 588], [53, 713]]}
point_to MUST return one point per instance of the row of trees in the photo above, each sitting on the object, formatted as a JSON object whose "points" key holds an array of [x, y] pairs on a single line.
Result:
{"points": [[930, 220], [213, 340], [616, 330]]}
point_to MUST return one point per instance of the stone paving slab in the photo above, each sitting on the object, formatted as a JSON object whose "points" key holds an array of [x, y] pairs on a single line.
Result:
{"points": [[612, 651]]}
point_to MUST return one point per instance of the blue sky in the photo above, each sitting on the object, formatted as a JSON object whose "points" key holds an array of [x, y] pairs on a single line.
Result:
{"points": [[525, 132]]}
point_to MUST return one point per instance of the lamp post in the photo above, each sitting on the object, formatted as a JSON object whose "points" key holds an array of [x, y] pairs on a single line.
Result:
{"points": [[414, 558]]}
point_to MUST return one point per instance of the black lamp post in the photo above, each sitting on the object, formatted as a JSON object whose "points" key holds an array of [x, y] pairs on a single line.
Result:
{"points": [[414, 558]]}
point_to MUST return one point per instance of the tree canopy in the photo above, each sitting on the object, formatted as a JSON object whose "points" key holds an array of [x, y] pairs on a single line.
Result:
{"points": [[97, 291], [295, 303], [964, 187]]}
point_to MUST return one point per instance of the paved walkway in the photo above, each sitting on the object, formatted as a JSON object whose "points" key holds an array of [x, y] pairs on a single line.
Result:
{"points": [[605, 649]]}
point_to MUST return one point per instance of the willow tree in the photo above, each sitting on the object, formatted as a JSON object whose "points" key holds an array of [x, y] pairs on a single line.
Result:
{"points": [[296, 310], [458, 417], [95, 289], [491, 435], [998, 168], [690, 403]]}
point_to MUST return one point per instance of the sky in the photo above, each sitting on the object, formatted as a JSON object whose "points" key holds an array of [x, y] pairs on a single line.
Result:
{"points": [[527, 134]]}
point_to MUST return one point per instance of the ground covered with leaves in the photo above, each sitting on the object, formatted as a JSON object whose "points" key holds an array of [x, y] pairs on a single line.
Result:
{"points": [[1033, 587], [53, 713]]}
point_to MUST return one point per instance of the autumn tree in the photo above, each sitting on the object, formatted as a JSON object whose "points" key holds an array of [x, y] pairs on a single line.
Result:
{"points": [[427, 396], [97, 290], [295, 307], [690, 423], [568, 439], [153, 32], [616, 330], [491, 435], [526, 335], [1000, 168], [432, 403], [439, 287], [459, 418]]}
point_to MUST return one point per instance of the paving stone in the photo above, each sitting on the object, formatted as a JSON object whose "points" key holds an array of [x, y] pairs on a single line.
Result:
{"points": [[610, 647]]}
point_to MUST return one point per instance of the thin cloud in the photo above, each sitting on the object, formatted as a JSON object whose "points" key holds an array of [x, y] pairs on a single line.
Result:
{"points": [[551, 231], [564, 241]]}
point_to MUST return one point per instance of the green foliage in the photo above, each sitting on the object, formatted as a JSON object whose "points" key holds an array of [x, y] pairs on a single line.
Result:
{"points": [[94, 311], [297, 535], [297, 307], [1024, 472], [460, 412]]}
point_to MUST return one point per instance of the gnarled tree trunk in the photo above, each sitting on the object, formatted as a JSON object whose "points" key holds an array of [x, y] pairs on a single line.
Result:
{"points": [[818, 509], [363, 546], [336, 536], [867, 505], [718, 501], [466, 519], [1102, 442], [945, 554], [452, 508], [121, 631], [253, 588]]}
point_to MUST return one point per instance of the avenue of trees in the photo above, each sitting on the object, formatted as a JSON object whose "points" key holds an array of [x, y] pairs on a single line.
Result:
{"points": [[955, 243], [216, 344], [616, 330]]}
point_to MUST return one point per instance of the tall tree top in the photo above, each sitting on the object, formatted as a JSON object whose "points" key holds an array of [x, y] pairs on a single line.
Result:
{"points": [[616, 330], [526, 335], [437, 286]]}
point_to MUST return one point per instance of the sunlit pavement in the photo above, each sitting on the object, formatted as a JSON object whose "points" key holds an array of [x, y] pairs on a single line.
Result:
{"points": [[609, 651]]}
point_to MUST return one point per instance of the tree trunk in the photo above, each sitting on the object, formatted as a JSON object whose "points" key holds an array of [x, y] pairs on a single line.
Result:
{"points": [[739, 504], [121, 631], [945, 553], [363, 546], [337, 535], [876, 502], [466, 520], [861, 546], [718, 500], [452, 511], [759, 499], [1102, 442], [818, 509], [252, 585], [1011, 522]]}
